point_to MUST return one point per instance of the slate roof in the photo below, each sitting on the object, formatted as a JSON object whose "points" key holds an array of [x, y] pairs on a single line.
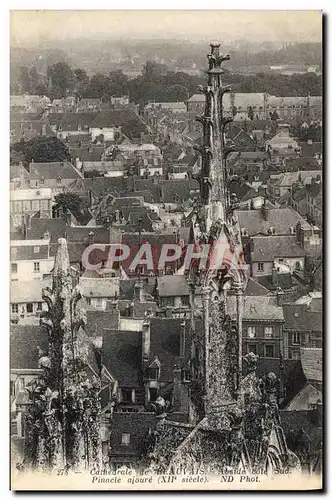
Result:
{"points": [[127, 287], [52, 170], [55, 227], [279, 218], [257, 308], [98, 321], [105, 185], [24, 342], [122, 356], [288, 178], [172, 190], [127, 119], [18, 171], [255, 289], [72, 121], [298, 317], [269, 248], [81, 234], [165, 344]]}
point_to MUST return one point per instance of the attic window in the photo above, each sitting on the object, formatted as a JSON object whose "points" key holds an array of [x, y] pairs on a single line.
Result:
{"points": [[125, 439], [272, 230], [244, 232], [153, 373]]}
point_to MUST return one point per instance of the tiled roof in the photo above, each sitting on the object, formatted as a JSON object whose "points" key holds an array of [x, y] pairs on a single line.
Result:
{"points": [[256, 308], [288, 178], [312, 364], [300, 318], [105, 185], [171, 286], [27, 291], [122, 356], [99, 287], [279, 218], [309, 150], [24, 343], [29, 250], [136, 424], [127, 288], [269, 248]]}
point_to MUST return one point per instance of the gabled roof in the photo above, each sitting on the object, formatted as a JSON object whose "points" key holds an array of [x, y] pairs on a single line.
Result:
{"points": [[122, 356], [27, 291], [29, 250], [255, 289], [24, 343], [38, 227], [256, 308], [127, 119], [99, 287], [279, 218], [82, 234], [172, 286], [72, 121], [312, 364], [52, 170], [299, 317], [100, 320], [269, 248]]}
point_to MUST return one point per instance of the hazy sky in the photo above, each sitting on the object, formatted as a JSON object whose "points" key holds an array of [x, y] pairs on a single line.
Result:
{"points": [[30, 27]]}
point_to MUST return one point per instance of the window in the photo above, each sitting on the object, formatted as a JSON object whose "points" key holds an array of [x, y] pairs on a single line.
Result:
{"points": [[13, 267], [185, 300], [260, 266], [269, 351], [36, 267], [268, 332], [29, 307], [252, 348], [15, 308], [153, 394], [297, 265], [36, 249], [296, 338], [88, 301], [12, 388], [59, 179], [251, 332], [39, 306], [125, 439], [153, 373], [126, 395]]}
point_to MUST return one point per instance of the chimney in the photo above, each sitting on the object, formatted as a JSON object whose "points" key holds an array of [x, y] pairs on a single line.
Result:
{"points": [[146, 339], [275, 276], [117, 215], [91, 238], [183, 339], [309, 141], [138, 291], [177, 400], [264, 210], [280, 296]]}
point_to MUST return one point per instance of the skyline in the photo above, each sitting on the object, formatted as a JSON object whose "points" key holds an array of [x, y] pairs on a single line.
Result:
{"points": [[35, 27]]}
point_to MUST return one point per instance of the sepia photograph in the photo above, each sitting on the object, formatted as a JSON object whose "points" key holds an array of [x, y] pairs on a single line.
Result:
{"points": [[166, 250]]}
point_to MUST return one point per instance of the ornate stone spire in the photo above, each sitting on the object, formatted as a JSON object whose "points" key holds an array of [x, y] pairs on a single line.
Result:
{"points": [[63, 418]]}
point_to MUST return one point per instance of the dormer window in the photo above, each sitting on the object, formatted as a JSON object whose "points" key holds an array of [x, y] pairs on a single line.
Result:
{"points": [[79, 127], [153, 373], [42, 180], [60, 127], [292, 229], [59, 179], [244, 232], [272, 230]]}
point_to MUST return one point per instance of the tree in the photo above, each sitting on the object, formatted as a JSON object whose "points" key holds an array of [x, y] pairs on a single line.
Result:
{"points": [[176, 93], [62, 78], [99, 87], [41, 150], [119, 83], [67, 202], [82, 82]]}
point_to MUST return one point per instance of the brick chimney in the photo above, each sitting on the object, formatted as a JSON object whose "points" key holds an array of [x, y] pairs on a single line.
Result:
{"points": [[183, 339], [146, 340], [138, 291], [275, 276], [264, 210]]}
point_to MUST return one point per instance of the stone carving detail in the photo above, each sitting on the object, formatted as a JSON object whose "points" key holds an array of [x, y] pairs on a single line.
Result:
{"points": [[62, 420]]}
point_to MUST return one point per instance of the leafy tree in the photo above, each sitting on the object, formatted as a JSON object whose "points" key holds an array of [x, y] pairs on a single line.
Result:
{"points": [[176, 93], [41, 150], [99, 87], [62, 78], [119, 83], [67, 202], [82, 82]]}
